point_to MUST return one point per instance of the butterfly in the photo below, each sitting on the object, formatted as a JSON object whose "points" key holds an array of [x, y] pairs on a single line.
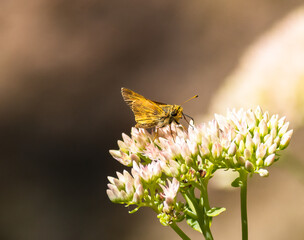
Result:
{"points": [[150, 114]]}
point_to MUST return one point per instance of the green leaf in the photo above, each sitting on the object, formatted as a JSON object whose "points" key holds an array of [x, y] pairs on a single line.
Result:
{"points": [[193, 223], [237, 182], [189, 204], [213, 212]]}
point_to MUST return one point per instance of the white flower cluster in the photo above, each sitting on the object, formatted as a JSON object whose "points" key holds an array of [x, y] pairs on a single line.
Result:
{"points": [[240, 140], [254, 140]]}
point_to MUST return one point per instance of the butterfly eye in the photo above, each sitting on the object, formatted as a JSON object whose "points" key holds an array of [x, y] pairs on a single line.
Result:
{"points": [[173, 114]]}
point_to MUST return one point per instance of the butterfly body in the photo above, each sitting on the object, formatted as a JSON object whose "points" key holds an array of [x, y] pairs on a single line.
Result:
{"points": [[150, 114]]}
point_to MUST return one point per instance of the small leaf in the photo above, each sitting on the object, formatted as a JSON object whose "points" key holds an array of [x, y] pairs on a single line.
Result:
{"points": [[189, 204], [237, 182], [213, 212], [134, 210], [193, 223]]}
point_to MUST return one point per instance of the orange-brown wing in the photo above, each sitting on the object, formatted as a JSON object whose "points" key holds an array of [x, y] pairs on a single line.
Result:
{"points": [[147, 113]]}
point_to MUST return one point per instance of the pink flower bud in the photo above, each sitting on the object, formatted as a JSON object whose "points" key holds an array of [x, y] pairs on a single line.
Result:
{"points": [[263, 128], [286, 139], [283, 129], [249, 142], [232, 149], [247, 154], [259, 113], [269, 160], [261, 151], [241, 160], [272, 148], [256, 138], [249, 166], [216, 150]]}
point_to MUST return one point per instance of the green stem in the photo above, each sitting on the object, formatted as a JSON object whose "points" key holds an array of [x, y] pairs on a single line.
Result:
{"points": [[207, 219], [243, 177], [179, 231], [200, 209], [204, 192]]}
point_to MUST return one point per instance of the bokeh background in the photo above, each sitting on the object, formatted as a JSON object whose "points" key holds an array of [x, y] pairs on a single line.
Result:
{"points": [[62, 64]]}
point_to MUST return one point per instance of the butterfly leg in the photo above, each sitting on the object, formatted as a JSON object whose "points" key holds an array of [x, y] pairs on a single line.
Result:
{"points": [[184, 115], [171, 132], [155, 133]]}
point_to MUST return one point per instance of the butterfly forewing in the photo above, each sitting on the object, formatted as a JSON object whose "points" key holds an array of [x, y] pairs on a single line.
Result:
{"points": [[147, 113]]}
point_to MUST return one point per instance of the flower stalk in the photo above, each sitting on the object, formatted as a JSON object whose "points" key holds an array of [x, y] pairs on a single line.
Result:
{"points": [[207, 234], [179, 231], [243, 186]]}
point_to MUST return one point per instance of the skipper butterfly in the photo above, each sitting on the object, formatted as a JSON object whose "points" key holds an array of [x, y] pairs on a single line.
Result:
{"points": [[150, 114]]}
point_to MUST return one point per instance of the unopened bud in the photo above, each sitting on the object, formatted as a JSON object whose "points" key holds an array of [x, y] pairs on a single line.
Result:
{"points": [[232, 149], [286, 139], [269, 141], [274, 133], [281, 121], [249, 142], [189, 161], [135, 158], [115, 153], [136, 198], [184, 169], [251, 119], [247, 154], [241, 146], [273, 122], [259, 113], [283, 129], [238, 138], [277, 140], [249, 166], [241, 160], [204, 150], [263, 128], [261, 151], [256, 138], [259, 162], [216, 150], [272, 148], [126, 139], [269, 160], [266, 116], [121, 144]]}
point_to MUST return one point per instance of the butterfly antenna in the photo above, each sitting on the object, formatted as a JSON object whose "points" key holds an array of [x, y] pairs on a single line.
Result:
{"points": [[196, 96]]}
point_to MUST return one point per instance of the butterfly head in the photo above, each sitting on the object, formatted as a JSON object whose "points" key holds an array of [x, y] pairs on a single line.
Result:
{"points": [[176, 113]]}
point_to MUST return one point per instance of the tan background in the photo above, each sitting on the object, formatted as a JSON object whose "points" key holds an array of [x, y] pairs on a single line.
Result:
{"points": [[62, 64]]}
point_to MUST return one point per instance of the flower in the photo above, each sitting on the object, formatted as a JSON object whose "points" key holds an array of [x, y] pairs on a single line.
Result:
{"points": [[169, 193], [149, 172], [125, 188], [131, 147]]}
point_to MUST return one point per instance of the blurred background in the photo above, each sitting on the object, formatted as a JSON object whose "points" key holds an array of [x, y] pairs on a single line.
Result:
{"points": [[62, 64]]}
